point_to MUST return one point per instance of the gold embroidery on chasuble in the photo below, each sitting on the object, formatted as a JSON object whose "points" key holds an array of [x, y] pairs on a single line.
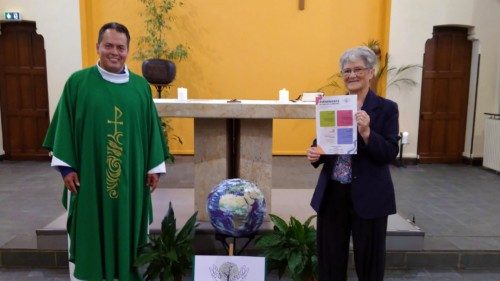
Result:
{"points": [[114, 153]]}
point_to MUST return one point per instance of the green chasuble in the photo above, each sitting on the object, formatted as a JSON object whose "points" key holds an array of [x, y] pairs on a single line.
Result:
{"points": [[111, 135]]}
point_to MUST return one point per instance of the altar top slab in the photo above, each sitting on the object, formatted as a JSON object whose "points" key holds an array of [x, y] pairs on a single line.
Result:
{"points": [[245, 109]]}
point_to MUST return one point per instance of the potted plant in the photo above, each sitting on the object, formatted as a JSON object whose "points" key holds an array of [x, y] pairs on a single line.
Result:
{"points": [[396, 76], [291, 248], [168, 255], [153, 49]]}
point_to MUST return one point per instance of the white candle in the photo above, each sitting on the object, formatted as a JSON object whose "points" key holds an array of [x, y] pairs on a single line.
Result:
{"points": [[284, 95], [404, 139], [182, 94]]}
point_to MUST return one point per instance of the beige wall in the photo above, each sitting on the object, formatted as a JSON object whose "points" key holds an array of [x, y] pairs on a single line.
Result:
{"points": [[411, 25], [58, 21]]}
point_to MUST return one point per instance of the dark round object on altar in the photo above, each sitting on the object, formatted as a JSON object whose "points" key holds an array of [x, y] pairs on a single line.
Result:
{"points": [[158, 71]]}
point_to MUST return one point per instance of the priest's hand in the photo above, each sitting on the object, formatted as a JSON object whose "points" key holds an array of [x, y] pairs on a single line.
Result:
{"points": [[152, 181], [71, 182]]}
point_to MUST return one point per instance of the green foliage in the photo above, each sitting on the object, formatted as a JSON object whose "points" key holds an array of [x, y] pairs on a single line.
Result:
{"points": [[396, 76], [154, 45], [167, 130], [169, 254], [157, 17], [291, 248], [335, 83]]}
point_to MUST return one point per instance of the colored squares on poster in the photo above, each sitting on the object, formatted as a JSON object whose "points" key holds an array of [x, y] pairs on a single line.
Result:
{"points": [[344, 117], [344, 135], [327, 118]]}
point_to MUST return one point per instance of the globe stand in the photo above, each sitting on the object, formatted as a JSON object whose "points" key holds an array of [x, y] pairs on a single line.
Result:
{"points": [[230, 247]]}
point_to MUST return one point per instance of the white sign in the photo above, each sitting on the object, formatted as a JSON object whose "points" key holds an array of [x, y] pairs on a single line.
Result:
{"points": [[336, 128], [234, 268], [12, 16]]}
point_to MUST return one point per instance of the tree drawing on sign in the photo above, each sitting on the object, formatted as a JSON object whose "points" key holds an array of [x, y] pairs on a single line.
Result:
{"points": [[228, 271]]}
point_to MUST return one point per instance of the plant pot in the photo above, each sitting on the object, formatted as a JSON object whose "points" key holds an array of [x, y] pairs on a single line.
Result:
{"points": [[158, 71]]}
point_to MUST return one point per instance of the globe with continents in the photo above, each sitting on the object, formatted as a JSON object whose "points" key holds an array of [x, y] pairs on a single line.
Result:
{"points": [[236, 207]]}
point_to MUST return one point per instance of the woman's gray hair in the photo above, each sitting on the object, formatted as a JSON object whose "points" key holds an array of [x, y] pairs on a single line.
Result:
{"points": [[360, 52]]}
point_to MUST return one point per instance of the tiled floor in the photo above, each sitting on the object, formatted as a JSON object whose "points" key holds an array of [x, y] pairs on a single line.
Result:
{"points": [[420, 275], [456, 205]]}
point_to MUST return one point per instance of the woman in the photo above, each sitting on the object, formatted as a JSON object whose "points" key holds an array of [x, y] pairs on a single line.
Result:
{"points": [[355, 194]]}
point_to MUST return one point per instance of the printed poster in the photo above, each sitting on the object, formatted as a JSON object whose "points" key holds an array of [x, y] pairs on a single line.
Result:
{"points": [[336, 129], [234, 268]]}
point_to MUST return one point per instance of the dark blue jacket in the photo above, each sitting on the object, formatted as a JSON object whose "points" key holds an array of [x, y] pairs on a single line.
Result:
{"points": [[372, 190]]}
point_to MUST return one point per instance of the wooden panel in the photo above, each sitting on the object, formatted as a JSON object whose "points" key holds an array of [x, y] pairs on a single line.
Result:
{"points": [[26, 92], [14, 133], [426, 104], [23, 91], [38, 52], [440, 101], [438, 136], [443, 54], [40, 91], [9, 51], [24, 54], [445, 85], [10, 99]]}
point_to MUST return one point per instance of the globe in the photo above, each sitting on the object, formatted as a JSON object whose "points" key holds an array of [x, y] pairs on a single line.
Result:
{"points": [[236, 207]]}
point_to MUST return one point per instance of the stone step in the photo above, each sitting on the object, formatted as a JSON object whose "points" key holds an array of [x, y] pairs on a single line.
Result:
{"points": [[404, 239], [399, 260], [401, 234]]}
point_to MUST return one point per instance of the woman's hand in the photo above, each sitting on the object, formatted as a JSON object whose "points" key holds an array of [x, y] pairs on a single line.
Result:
{"points": [[313, 153], [363, 121]]}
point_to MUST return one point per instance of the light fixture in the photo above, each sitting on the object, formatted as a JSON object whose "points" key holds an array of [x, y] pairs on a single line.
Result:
{"points": [[404, 137]]}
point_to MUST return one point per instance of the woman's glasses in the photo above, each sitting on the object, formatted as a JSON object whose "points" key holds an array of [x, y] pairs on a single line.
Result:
{"points": [[357, 71]]}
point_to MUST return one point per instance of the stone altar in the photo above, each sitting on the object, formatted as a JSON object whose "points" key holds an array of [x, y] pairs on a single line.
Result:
{"points": [[232, 139]]}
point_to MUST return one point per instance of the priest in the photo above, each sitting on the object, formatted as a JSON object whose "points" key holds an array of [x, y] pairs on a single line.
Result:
{"points": [[108, 144]]}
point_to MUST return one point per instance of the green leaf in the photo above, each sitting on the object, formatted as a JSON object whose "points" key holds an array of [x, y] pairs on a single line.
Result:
{"points": [[294, 261], [308, 221], [268, 240], [277, 254], [167, 275], [145, 258], [290, 248], [172, 255], [168, 254], [279, 223], [168, 224], [158, 20], [311, 237], [152, 272], [298, 230], [188, 230]]}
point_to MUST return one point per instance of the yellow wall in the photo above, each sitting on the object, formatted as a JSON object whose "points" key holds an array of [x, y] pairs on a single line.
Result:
{"points": [[251, 49]]}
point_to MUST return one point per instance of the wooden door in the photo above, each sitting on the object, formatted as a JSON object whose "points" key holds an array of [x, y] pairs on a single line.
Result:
{"points": [[23, 91], [445, 90]]}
